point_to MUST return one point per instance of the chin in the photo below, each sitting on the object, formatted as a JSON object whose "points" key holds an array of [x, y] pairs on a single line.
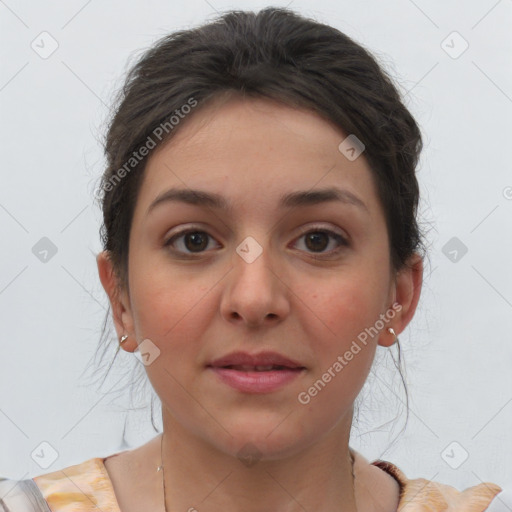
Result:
{"points": [[258, 439]]}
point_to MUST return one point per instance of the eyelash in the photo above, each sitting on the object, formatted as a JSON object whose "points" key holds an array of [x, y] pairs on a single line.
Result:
{"points": [[336, 236]]}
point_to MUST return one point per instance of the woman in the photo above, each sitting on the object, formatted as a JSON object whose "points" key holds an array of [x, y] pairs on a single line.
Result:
{"points": [[236, 148]]}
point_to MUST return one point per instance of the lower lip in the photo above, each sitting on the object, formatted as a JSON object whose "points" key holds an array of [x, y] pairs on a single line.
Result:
{"points": [[256, 382]]}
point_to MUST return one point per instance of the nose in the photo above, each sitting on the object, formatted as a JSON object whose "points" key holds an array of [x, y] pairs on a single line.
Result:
{"points": [[255, 294]]}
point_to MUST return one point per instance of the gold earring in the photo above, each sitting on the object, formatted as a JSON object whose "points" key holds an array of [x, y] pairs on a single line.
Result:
{"points": [[123, 339]]}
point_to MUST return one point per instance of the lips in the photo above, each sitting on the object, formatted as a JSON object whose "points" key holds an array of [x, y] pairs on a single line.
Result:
{"points": [[263, 361], [257, 368], [265, 372]]}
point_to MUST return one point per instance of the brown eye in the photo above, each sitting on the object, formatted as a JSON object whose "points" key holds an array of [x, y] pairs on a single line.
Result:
{"points": [[196, 241], [318, 240], [189, 241]]}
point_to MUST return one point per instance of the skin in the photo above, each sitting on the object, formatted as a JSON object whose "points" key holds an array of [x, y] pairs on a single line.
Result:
{"points": [[307, 302]]}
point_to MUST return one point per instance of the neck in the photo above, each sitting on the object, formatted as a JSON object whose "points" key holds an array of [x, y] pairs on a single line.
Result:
{"points": [[200, 476]]}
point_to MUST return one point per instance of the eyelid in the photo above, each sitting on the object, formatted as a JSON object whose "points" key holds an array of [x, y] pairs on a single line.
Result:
{"points": [[320, 227], [168, 242], [342, 239]]}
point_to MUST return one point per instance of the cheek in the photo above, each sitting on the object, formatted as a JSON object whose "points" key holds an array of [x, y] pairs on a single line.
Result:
{"points": [[169, 305], [171, 311], [341, 313], [344, 306]]}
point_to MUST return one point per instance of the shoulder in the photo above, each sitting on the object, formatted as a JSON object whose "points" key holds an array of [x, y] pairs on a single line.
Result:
{"points": [[85, 486], [420, 494], [374, 489]]}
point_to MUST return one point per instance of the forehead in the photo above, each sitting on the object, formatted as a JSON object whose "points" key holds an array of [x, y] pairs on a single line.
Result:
{"points": [[243, 126], [254, 149]]}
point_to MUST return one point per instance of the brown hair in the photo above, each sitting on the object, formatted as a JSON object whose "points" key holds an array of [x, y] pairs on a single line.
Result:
{"points": [[275, 54]]}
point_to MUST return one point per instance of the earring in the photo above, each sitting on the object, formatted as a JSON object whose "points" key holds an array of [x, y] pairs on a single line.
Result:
{"points": [[123, 339], [392, 331]]}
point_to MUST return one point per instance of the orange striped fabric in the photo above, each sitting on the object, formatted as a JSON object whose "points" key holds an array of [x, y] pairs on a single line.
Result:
{"points": [[422, 495], [86, 487]]}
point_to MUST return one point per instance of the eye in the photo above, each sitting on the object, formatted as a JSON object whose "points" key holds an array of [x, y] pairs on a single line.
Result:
{"points": [[196, 241], [318, 239], [192, 239]]}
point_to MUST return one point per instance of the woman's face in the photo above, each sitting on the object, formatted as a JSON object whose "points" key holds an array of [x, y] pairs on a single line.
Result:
{"points": [[308, 298]]}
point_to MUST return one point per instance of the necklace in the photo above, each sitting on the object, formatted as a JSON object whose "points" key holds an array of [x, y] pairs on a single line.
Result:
{"points": [[161, 468]]}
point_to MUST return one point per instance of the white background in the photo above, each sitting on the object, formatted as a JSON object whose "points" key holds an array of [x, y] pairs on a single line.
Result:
{"points": [[458, 349]]}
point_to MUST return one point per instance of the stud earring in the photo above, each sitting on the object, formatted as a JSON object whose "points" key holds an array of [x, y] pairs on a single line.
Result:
{"points": [[123, 339], [392, 331]]}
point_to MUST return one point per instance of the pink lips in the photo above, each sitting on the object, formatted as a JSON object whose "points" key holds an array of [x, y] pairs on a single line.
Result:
{"points": [[256, 373]]}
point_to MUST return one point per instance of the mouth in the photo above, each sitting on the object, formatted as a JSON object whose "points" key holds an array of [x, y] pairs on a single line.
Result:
{"points": [[262, 361], [262, 373], [259, 368]]}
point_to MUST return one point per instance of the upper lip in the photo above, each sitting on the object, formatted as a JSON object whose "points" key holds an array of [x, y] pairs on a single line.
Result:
{"points": [[260, 359]]}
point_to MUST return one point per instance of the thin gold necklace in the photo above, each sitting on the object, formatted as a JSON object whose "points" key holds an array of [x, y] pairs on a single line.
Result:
{"points": [[161, 467]]}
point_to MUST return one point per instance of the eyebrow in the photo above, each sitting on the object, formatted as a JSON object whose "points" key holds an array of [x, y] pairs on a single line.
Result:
{"points": [[290, 200]]}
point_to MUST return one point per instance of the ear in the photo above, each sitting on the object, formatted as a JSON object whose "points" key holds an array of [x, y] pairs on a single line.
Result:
{"points": [[407, 290], [119, 301]]}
